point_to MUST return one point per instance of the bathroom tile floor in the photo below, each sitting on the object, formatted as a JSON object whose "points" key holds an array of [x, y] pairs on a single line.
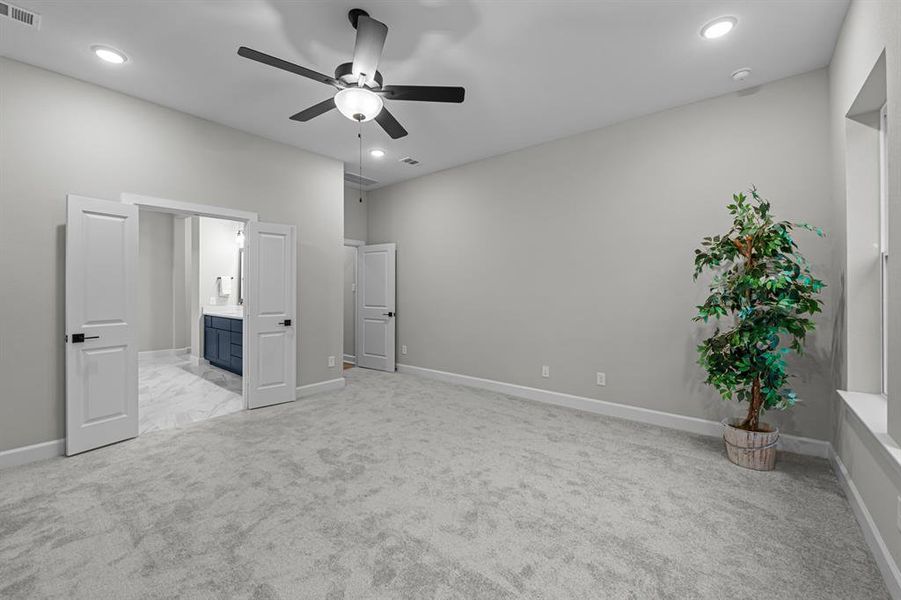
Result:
{"points": [[174, 391]]}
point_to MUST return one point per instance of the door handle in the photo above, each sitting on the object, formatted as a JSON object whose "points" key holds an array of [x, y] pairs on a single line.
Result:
{"points": [[388, 314], [286, 322], [79, 338]]}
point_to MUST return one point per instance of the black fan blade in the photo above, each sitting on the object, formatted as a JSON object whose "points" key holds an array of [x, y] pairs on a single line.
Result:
{"points": [[423, 93], [371, 36], [284, 65], [390, 124], [315, 110]]}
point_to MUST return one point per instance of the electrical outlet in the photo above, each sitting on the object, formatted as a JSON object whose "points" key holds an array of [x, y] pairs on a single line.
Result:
{"points": [[899, 514], [545, 371], [403, 349], [331, 361], [602, 378]]}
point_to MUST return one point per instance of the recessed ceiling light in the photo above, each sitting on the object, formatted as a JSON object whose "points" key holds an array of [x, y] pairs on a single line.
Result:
{"points": [[718, 27], [741, 74], [376, 153], [110, 55]]}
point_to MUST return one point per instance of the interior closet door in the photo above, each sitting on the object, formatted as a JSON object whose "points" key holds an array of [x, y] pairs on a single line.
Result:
{"points": [[270, 314], [376, 307], [101, 308]]}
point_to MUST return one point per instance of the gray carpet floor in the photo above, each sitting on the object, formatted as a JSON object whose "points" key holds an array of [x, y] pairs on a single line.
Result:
{"points": [[400, 487]]}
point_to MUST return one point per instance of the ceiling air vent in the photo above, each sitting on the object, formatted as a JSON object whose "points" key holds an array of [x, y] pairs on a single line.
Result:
{"points": [[358, 180], [410, 161], [26, 17]]}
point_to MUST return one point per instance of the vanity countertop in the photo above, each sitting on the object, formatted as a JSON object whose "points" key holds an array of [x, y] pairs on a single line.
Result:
{"points": [[229, 312]]}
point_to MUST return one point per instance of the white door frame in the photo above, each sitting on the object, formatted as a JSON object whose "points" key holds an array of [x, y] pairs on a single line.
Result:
{"points": [[355, 244], [191, 209]]}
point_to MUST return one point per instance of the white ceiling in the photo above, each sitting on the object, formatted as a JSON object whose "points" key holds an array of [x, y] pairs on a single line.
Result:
{"points": [[533, 71]]}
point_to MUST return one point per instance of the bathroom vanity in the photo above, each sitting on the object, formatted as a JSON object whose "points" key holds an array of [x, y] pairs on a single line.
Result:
{"points": [[223, 329]]}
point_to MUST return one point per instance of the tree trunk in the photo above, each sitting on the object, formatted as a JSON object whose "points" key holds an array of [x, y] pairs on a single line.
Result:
{"points": [[752, 421]]}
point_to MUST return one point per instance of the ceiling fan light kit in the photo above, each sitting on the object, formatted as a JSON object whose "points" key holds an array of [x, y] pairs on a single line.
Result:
{"points": [[358, 103], [361, 95]]}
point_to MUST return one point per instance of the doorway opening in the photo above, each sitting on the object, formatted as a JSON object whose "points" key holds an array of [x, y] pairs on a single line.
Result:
{"points": [[190, 318], [369, 305], [103, 320], [350, 302]]}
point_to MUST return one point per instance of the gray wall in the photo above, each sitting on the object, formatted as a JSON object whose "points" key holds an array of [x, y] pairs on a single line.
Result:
{"points": [[60, 136], [356, 222], [578, 253], [164, 281], [182, 277], [156, 277], [869, 29], [356, 214]]}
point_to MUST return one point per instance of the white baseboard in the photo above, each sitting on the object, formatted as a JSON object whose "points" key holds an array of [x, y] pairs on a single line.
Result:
{"points": [[881, 554], [166, 352], [350, 358], [790, 443], [29, 454], [316, 388]]}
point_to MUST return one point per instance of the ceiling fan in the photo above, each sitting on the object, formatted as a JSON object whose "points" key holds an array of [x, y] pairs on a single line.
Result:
{"points": [[361, 94]]}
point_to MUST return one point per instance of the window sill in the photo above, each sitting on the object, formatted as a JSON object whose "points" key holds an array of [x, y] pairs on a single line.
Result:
{"points": [[872, 411]]}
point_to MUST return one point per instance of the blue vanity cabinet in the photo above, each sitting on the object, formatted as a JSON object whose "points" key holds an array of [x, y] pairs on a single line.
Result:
{"points": [[222, 342]]}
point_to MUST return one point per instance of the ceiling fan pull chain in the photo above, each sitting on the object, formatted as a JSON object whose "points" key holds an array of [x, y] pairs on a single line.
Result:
{"points": [[360, 137]]}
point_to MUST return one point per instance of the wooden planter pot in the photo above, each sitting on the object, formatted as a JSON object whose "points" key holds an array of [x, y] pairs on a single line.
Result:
{"points": [[751, 449]]}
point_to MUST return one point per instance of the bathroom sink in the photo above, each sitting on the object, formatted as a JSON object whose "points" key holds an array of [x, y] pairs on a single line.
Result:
{"points": [[232, 312]]}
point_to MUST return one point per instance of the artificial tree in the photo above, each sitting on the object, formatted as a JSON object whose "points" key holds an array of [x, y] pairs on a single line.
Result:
{"points": [[764, 284]]}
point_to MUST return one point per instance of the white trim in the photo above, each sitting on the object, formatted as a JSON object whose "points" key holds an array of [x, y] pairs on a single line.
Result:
{"points": [[309, 389], [29, 454], [871, 411], [354, 243], [160, 353], [187, 208], [890, 573], [790, 443], [350, 358]]}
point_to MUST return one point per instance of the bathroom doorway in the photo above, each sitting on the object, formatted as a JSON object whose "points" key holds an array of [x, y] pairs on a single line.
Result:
{"points": [[107, 291], [190, 324]]}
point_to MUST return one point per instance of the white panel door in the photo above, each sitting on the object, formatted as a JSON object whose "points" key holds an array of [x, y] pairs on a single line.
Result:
{"points": [[101, 308], [375, 306], [269, 318]]}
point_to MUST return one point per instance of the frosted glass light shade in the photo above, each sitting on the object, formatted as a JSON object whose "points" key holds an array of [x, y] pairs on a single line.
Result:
{"points": [[358, 104]]}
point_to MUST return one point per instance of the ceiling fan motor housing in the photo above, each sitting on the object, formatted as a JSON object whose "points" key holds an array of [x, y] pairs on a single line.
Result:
{"points": [[345, 74]]}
